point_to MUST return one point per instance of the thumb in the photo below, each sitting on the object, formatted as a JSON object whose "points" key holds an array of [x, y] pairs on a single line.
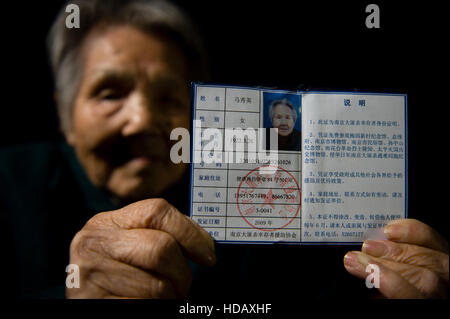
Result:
{"points": [[392, 285]]}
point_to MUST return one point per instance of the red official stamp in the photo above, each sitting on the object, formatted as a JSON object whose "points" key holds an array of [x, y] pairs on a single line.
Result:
{"points": [[268, 202]]}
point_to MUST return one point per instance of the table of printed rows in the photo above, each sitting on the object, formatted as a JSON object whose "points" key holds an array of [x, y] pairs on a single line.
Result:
{"points": [[215, 185]]}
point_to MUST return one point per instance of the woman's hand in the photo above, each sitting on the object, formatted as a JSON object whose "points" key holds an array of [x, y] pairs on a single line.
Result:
{"points": [[413, 262], [139, 251]]}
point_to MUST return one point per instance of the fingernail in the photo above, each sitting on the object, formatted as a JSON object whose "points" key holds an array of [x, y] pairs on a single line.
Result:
{"points": [[212, 259], [363, 259], [212, 256], [394, 231], [388, 230], [374, 248], [351, 260]]}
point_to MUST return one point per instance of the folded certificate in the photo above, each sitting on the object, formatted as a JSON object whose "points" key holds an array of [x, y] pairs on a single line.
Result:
{"points": [[297, 166]]}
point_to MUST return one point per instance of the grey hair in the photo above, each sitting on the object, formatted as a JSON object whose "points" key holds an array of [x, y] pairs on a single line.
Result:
{"points": [[158, 18], [282, 102]]}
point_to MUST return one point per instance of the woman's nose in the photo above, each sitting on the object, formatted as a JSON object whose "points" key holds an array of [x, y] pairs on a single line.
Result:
{"points": [[141, 115]]}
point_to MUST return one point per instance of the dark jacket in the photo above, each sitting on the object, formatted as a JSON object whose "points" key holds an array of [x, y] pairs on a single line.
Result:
{"points": [[46, 197]]}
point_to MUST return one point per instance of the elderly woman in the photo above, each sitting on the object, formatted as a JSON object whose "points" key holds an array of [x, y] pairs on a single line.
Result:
{"points": [[121, 87], [283, 117]]}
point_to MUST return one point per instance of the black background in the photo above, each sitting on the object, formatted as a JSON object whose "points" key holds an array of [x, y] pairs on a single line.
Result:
{"points": [[285, 44], [320, 44]]}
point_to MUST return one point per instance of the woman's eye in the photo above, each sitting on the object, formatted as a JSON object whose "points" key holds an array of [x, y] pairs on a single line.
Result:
{"points": [[111, 94]]}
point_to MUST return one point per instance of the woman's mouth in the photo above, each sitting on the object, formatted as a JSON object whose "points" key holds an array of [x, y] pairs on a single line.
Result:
{"points": [[283, 128]]}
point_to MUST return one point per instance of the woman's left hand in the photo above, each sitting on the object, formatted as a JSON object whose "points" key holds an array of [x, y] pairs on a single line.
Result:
{"points": [[412, 263]]}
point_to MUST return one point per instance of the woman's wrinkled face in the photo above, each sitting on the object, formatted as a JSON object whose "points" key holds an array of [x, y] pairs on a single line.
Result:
{"points": [[283, 120], [133, 92]]}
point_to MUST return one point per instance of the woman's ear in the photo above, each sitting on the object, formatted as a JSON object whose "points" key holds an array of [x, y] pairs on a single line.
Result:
{"points": [[70, 138]]}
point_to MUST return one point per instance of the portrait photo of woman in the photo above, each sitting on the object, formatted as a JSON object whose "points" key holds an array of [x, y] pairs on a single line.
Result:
{"points": [[282, 112]]}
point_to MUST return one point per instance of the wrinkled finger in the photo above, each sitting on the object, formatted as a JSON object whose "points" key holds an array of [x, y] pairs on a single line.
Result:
{"points": [[425, 280], [160, 215], [433, 260], [391, 284], [412, 231], [122, 280], [155, 251]]}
